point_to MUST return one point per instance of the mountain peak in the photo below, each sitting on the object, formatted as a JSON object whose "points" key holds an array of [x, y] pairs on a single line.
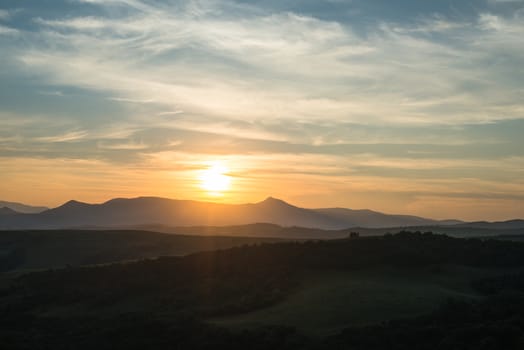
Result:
{"points": [[273, 200], [73, 204]]}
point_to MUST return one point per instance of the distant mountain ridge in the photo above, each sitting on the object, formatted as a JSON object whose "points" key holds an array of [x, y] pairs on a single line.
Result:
{"points": [[372, 219], [7, 211], [170, 212], [501, 225], [22, 208]]}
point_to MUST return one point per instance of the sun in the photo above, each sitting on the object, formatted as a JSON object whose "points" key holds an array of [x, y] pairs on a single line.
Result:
{"points": [[214, 179]]}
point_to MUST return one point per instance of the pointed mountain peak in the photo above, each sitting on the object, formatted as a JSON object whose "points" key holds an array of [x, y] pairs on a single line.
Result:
{"points": [[274, 201], [73, 204], [271, 199]]}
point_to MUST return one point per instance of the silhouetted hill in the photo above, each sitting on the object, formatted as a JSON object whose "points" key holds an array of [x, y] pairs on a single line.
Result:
{"points": [[22, 208], [251, 230], [7, 211], [161, 211], [40, 249], [373, 219], [499, 225]]}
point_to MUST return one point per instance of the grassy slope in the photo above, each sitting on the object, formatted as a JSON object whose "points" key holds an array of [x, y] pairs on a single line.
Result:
{"points": [[331, 300]]}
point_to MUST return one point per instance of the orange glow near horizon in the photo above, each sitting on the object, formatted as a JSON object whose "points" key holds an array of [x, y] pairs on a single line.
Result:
{"points": [[249, 179], [214, 179]]}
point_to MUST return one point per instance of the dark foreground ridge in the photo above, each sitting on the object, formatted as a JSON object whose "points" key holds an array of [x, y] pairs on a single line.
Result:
{"points": [[166, 303], [44, 249]]}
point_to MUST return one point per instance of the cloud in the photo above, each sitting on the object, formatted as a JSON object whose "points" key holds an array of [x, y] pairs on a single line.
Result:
{"points": [[4, 30], [434, 24], [252, 64], [51, 93], [503, 1], [122, 146], [4, 14], [71, 136]]}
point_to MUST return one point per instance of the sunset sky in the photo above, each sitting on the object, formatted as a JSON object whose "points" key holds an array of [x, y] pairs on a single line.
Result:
{"points": [[409, 106]]}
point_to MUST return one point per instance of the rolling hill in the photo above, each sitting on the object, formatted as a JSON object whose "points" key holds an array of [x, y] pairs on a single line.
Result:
{"points": [[405, 289], [41, 249], [498, 225]]}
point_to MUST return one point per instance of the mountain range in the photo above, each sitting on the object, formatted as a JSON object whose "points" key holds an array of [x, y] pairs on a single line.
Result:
{"points": [[122, 212], [21, 208]]}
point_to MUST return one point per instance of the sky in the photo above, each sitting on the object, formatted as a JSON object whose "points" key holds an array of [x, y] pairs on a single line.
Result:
{"points": [[408, 106]]}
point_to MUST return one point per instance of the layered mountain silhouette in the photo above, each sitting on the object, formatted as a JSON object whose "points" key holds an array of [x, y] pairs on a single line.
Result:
{"points": [[499, 225], [122, 212], [22, 208], [7, 211]]}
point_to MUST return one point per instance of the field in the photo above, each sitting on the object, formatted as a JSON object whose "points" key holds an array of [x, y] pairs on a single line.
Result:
{"points": [[328, 301], [390, 292]]}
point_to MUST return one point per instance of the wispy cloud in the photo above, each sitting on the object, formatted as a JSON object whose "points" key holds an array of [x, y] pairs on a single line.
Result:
{"points": [[4, 30], [51, 92], [252, 64], [434, 24], [122, 146], [67, 137], [504, 1], [4, 14]]}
